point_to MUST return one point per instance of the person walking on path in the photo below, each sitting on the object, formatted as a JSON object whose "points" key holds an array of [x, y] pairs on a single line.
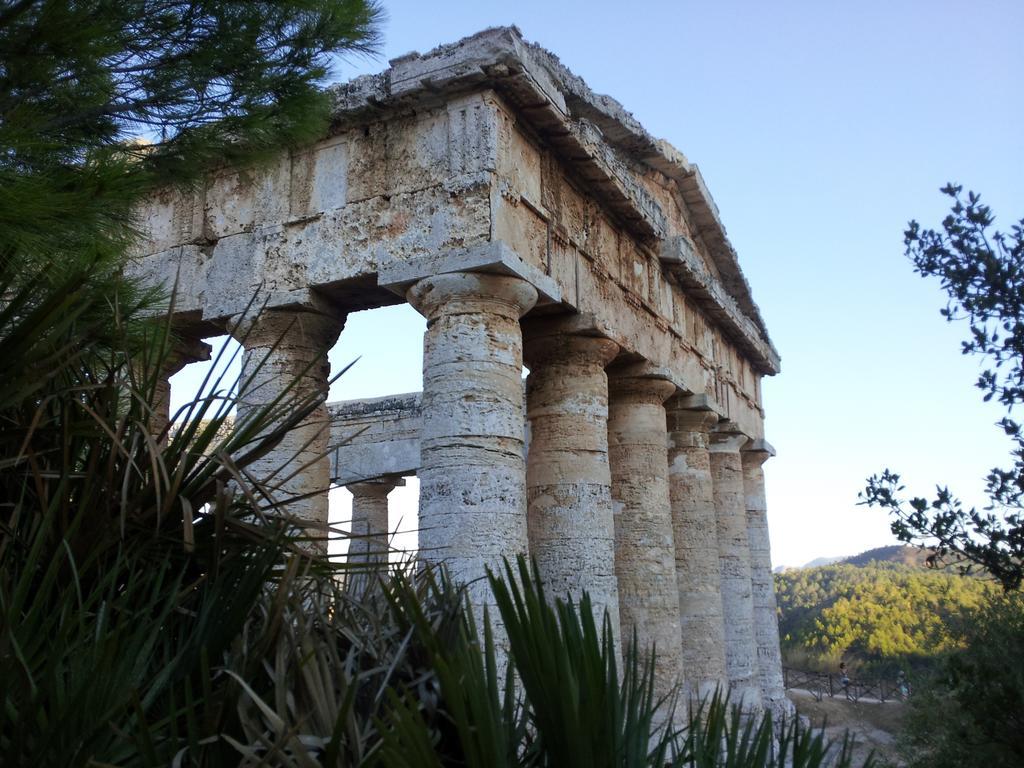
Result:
{"points": [[844, 678]]}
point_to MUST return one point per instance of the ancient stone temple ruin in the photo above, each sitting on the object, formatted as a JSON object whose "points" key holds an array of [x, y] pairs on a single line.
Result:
{"points": [[531, 221]]}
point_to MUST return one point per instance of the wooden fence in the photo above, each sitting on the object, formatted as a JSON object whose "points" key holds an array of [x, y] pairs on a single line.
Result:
{"points": [[822, 684]]}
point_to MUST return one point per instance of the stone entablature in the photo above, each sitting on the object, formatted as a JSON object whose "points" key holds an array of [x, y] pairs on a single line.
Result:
{"points": [[374, 438], [530, 221], [489, 140]]}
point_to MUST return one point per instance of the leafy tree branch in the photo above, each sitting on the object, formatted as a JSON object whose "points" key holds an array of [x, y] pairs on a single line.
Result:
{"points": [[982, 272]]}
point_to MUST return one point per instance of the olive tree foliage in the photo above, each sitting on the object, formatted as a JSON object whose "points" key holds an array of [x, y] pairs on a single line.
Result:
{"points": [[982, 271]]}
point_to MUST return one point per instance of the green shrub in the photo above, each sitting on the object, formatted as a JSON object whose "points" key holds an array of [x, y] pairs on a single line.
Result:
{"points": [[971, 713]]}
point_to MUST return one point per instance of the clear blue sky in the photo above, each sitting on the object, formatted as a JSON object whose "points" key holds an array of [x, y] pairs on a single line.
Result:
{"points": [[821, 128]]}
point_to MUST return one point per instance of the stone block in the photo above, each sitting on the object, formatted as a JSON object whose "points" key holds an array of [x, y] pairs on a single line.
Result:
{"points": [[367, 169], [170, 218], [251, 264], [527, 230], [416, 151], [247, 199], [181, 270], [472, 135], [319, 178], [491, 258], [375, 438], [519, 162]]}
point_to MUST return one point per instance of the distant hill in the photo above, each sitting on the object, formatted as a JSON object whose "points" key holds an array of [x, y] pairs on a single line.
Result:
{"points": [[815, 563], [882, 607], [897, 553], [821, 561]]}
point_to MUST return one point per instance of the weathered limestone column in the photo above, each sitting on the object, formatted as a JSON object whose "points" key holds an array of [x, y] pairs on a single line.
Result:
{"points": [[571, 527], [644, 547], [766, 625], [694, 529], [472, 470], [369, 526], [734, 564], [285, 361], [368, 545], [181, 352]]}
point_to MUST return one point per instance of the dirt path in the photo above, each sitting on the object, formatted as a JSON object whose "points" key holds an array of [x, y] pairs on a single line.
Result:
{"points": [[873, 724]]}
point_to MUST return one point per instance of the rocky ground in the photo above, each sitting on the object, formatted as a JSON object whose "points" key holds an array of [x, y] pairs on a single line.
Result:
{"points": [[873, 724]]}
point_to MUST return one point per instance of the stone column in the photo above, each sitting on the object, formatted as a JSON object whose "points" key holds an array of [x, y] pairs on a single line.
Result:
{"points": [[571, 527], [369, 526], [644, 548], [766, 624], [368, 545], [181, 351], [472, 470], [285, 363], [734, 564], [696, 543]]}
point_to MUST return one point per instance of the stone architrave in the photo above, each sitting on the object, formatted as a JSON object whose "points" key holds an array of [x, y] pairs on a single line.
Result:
{"points": [[734, 565], [644, 547], [182, 352], [571, 526], [472, 469], [766, 624], [284, 364], [696, 543]]}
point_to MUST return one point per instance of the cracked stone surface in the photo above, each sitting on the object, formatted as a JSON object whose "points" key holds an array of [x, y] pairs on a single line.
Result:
{"points": [[644, 546], [473, 471], [284, 363], [766, 623], [734, 562], [571, 527], [696, 547]]}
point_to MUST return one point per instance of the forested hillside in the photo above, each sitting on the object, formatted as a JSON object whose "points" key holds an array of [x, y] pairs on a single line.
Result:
{"points": [[880, 615], [895, 553]]}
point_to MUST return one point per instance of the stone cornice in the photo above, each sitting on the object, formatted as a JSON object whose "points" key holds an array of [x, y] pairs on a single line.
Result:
{"points": [[678, 256], [348, 409], [597, 136]]}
